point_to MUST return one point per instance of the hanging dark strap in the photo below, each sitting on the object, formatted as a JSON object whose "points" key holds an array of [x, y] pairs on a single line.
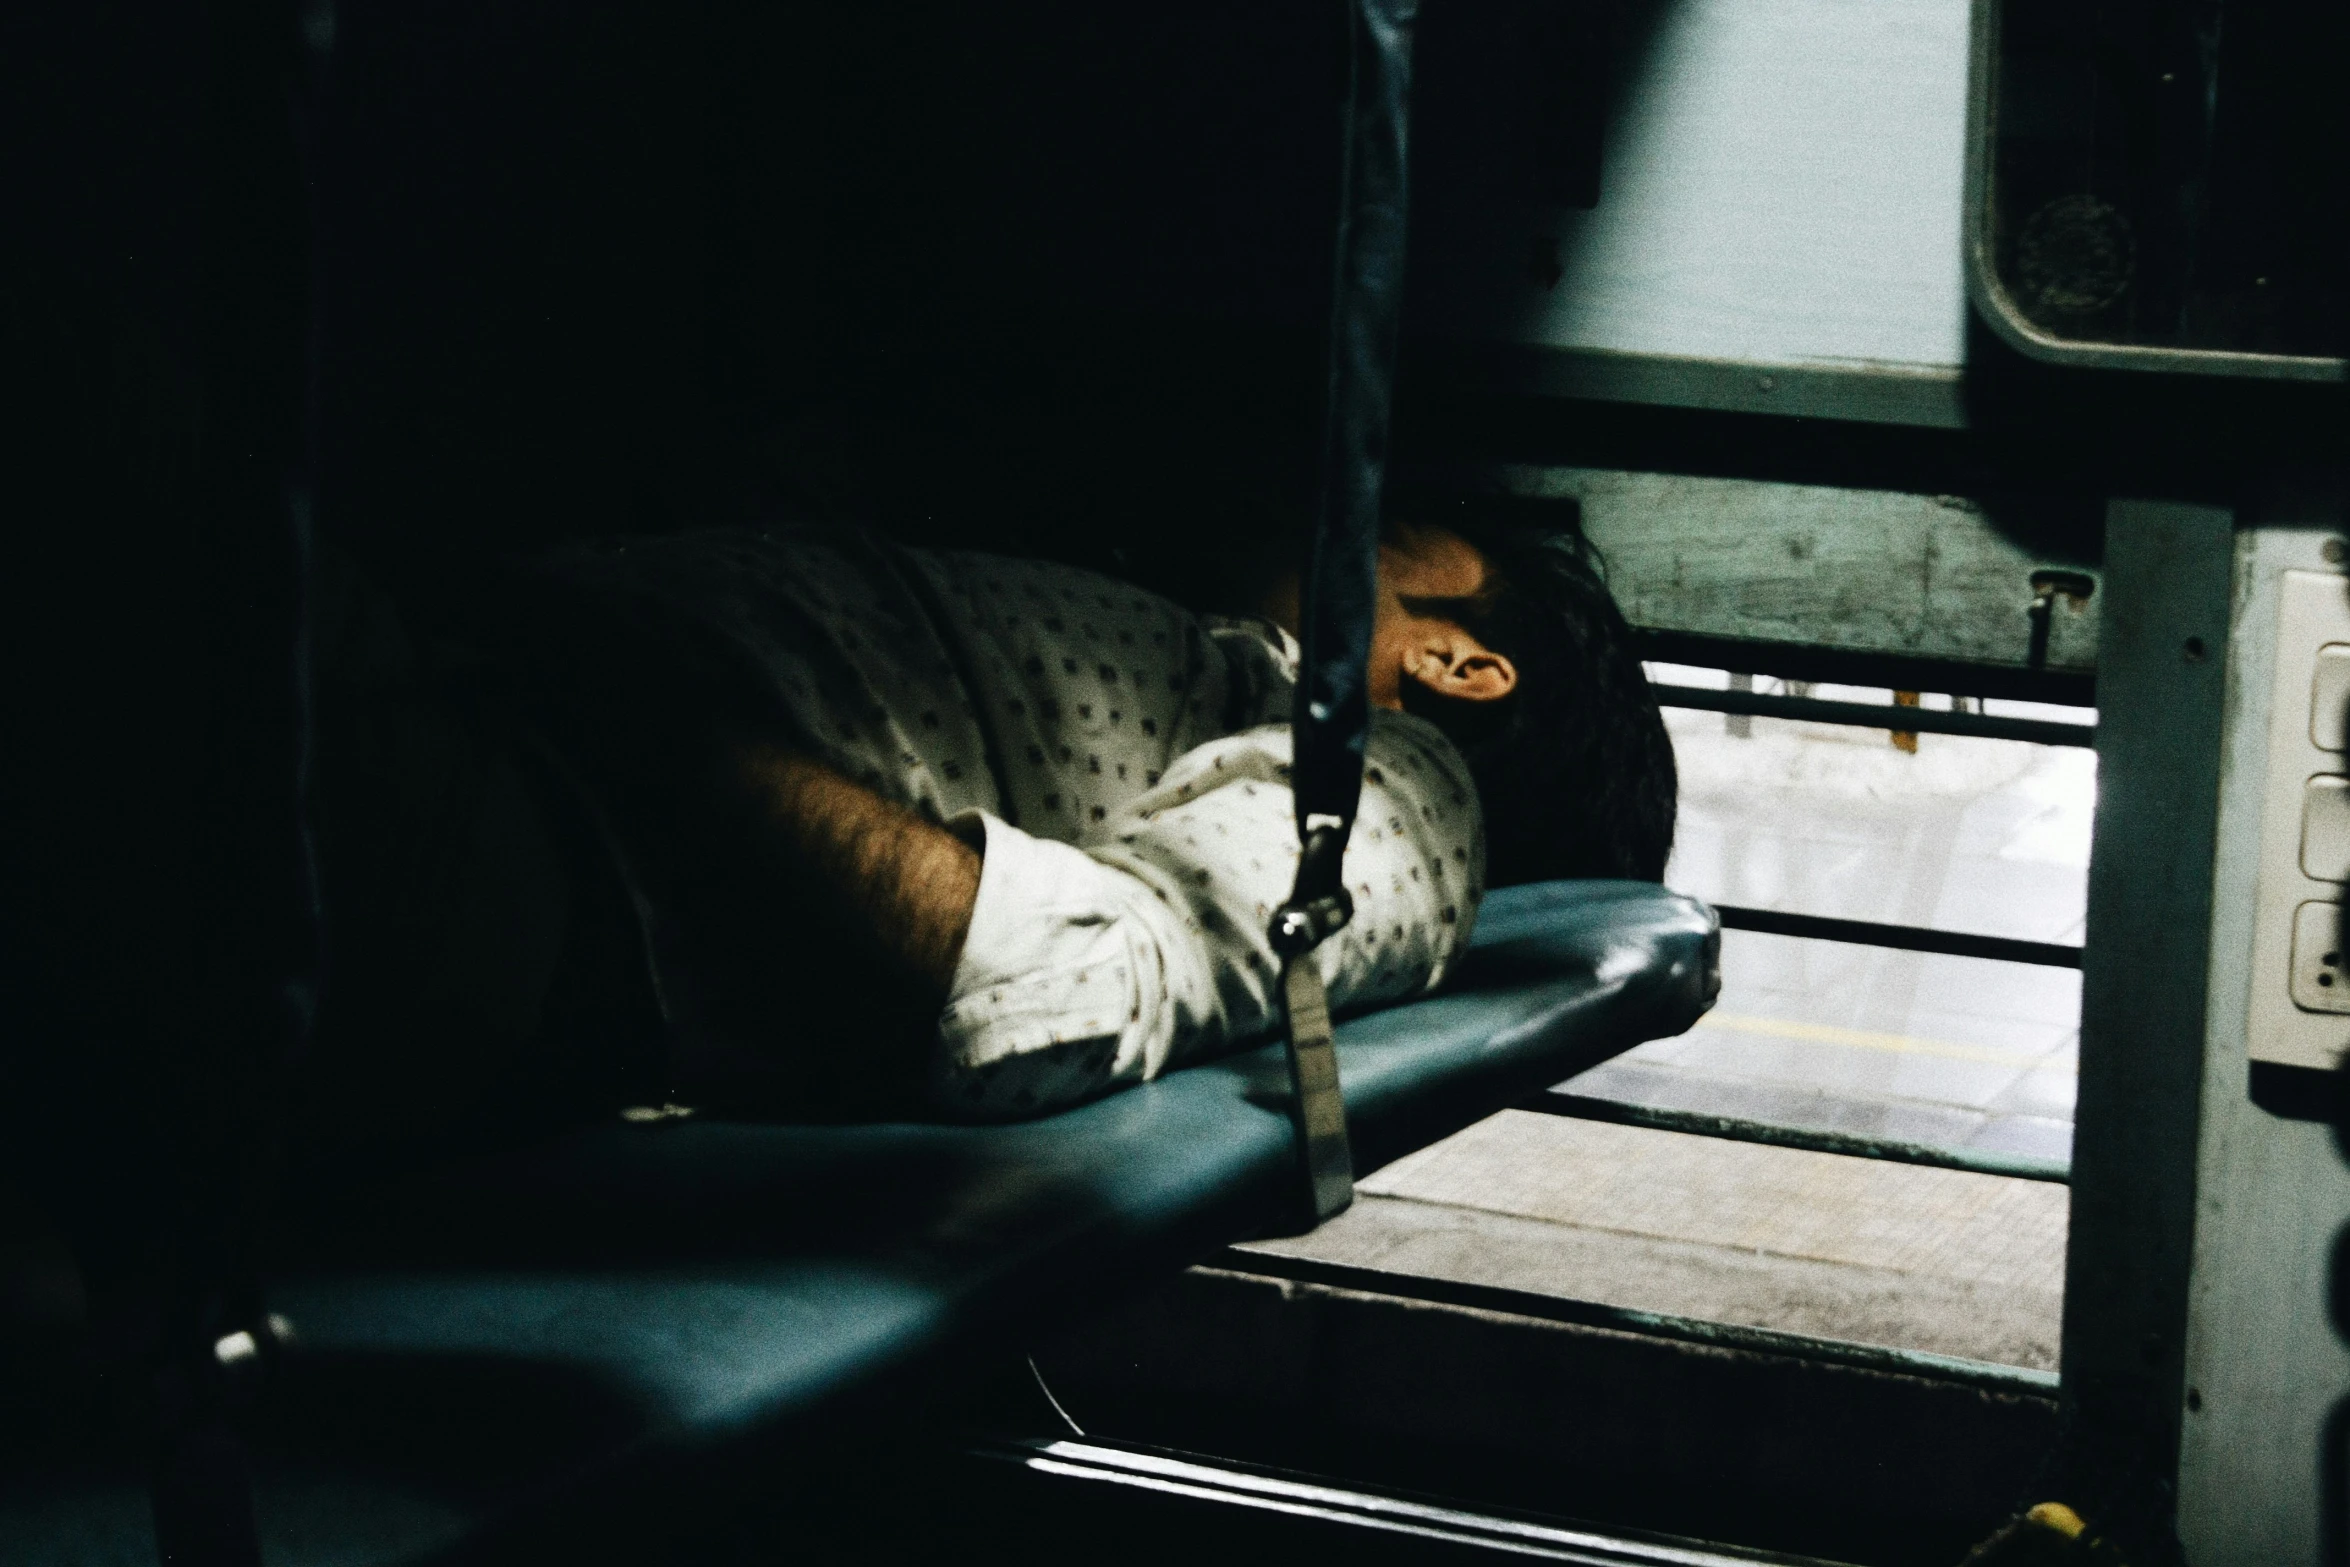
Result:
{"points": [[1339, 584]]}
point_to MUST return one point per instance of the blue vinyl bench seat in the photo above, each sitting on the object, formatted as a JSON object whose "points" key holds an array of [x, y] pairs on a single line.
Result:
{"points": [[688, 1286]]}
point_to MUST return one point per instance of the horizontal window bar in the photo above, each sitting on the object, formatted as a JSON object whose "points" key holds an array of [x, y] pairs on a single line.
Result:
{"points": [[1831, 666], [1981, 1161], [1870, 715], [1904, 938], [1986, 1374]]}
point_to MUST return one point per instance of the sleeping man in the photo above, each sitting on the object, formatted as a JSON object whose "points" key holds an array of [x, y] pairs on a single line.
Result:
{"points": [[912, 832]]}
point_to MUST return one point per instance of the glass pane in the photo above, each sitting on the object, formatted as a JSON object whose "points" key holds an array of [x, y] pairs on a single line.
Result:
{"points": [[1939, 831]]}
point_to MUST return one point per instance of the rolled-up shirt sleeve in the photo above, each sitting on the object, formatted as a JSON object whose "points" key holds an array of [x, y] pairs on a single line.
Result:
{"points": [[1143, 946]]}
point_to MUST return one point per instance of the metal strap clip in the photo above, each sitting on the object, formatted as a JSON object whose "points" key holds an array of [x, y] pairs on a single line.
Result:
{"points": [[1313, 1075], [1301, 925]]}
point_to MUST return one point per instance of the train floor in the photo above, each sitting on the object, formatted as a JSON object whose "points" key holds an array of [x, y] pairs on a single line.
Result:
{"points": [[1949, 1262]]}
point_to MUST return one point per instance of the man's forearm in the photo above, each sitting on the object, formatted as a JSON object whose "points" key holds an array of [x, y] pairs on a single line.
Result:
{"points": [[903, 885]]}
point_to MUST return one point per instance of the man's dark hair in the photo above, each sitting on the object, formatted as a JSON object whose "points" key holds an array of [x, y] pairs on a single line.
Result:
{"points": [[1574, 768]]}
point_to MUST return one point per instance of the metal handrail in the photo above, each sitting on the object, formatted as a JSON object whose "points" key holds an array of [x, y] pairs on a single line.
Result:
{"points": [[1872, 715], [1902, 938]]}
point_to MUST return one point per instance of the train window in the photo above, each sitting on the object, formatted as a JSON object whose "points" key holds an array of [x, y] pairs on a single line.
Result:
{"points": [[1867, 1141], [1932, 832]]}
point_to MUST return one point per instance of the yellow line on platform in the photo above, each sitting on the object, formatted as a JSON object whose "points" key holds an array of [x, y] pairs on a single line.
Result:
{"points": [[1860, 1039]]}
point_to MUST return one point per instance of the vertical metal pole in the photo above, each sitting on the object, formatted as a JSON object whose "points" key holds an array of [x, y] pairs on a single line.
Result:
{"points": [[2161, 695]]}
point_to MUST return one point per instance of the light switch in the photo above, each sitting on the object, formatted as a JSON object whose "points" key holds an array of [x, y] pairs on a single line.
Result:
{"points": [[2319, 983], [2325, 828], [2329, 696], [2299, 1010]]}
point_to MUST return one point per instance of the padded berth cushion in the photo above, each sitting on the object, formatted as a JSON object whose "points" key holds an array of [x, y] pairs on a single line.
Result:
{"points": [[686, 1284]]}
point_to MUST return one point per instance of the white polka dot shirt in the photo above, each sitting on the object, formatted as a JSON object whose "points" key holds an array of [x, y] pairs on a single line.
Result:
{"points": [[1124, 764]]}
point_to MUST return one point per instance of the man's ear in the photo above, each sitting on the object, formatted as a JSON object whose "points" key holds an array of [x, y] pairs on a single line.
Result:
{"points": [[1460, 668]]}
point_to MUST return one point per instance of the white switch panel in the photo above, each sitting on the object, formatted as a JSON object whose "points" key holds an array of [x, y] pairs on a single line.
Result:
{"points": [[2319, 984], [2329, 695], [2300, 989], [2325, 828]]}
